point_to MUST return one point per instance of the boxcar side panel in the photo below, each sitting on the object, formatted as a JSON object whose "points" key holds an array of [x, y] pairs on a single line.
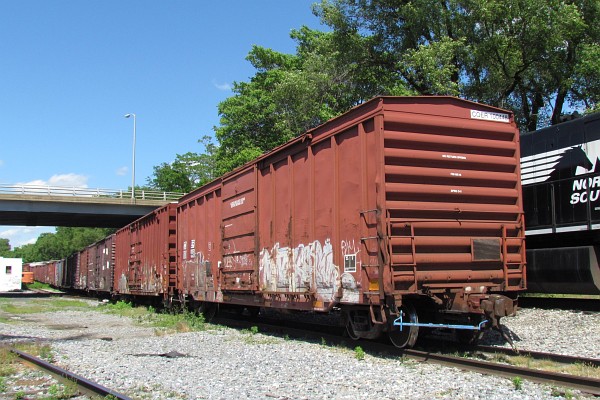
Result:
{"points": [[453, 201], [238, 242], [318, 224], [199, 244], [103, 266], [144, 261]]}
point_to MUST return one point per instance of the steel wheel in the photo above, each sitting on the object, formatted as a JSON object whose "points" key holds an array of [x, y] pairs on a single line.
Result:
{"points": [[253, 311], [208, 310], [350, 330], [408, 336]]}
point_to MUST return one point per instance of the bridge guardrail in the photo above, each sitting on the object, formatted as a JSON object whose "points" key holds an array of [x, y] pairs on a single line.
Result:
{"points": [[41, 190]]}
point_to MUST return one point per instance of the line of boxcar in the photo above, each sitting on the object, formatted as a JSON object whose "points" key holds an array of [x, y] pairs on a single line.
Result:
{"points": [[404, 213]]}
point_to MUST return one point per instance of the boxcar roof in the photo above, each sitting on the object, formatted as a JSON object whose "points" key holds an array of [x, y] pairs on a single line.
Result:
{"points": [[444, 106]]}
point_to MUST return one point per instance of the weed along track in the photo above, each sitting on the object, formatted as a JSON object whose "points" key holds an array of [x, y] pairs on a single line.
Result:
{"points": [[83, 385]]}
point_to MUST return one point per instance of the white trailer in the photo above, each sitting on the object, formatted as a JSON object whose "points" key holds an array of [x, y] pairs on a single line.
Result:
{"points": [[11, 271]]}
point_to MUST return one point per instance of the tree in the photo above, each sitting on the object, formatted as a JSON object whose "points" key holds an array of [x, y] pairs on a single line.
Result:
{"points": [[54, 246], [250, 120], [530, 56], [534, 57], [290, 94], [4, 246], [187, 171]]}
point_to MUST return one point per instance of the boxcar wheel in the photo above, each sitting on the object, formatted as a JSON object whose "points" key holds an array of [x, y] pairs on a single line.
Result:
{"points": [[407, 337], [208, 310], [350, 330], [253, 311]]}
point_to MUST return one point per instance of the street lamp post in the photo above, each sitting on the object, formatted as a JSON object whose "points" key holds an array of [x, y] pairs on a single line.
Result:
{"points": [[133, 159]]}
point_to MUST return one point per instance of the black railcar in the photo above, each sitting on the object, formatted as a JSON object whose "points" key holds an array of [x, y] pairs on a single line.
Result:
{"points": [[560, 172]]}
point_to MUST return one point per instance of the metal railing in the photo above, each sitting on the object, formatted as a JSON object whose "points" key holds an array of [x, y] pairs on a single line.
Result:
{"points": [[40, 190]]}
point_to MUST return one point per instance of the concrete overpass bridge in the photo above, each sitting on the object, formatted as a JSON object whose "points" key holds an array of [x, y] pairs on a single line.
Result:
{"points": [[26, 205]]}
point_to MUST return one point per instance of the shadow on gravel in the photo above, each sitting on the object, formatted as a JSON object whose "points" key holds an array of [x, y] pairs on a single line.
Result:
{"points": [[19, 337], [170, 354], [494, 338]]}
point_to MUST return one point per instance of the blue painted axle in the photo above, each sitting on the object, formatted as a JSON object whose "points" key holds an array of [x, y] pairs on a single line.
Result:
{"points": [[398, 322]]}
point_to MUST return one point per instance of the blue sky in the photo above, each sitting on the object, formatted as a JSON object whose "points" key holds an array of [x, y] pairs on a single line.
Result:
{"points": [[71, 69]]}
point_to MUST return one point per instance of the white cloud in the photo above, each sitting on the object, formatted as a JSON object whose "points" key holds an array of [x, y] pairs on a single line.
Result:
{"points": [[22, 235], [122, 171], [69, 180], [222, 86]]}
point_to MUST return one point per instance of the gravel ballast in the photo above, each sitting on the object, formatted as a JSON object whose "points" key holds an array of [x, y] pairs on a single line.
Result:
{"points": [[224, 363]]}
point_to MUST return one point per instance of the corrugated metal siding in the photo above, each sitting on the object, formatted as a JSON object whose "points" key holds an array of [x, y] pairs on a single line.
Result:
{"points": [[452, 199], [239, 272], [199, 241], [397, 196], [101, 266], [317, 218], [145, 253]]}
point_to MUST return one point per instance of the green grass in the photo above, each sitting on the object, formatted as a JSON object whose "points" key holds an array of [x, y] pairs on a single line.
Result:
{"points": [[43, 351], [181, 322], [7, 362], [164, 323], [42, 305], [38, 285], [359, 353], [59, 391], [517, 382], [124, 309], [577, 369]]}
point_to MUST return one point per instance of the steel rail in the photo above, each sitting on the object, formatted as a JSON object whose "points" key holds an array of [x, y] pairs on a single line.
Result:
{"points": [[559, 358], [79, 380], [585, 384]]}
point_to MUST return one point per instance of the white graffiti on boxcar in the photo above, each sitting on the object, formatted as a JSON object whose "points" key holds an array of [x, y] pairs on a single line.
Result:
{"points": [[349, 248], [238, 260], [350, 291], [303, 268]]}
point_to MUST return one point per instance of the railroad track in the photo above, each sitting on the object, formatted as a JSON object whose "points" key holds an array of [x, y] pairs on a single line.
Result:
{"points": [[334, 336], [86, 385], [558, 358]]}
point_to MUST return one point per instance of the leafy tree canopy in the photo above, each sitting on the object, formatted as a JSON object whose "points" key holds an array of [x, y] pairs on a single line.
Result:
{"points": [[187, 172], [289, 94], [4, 246], [54, 246], [538, 58], [531, 56]]}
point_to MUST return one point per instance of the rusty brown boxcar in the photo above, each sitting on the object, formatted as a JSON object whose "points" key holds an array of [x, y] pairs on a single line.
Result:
{"points": [[59, 273], [85, 264], [145, 255], [103, 272], [39, 271], [404, 213], [44, 272], [199, 236], [99, 258], [71, 271]]}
